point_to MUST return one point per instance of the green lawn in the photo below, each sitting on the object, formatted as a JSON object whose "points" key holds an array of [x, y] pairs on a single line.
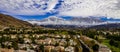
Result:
{"points": [[113, 48]]}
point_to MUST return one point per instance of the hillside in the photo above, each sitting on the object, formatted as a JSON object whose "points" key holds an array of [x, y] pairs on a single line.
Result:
{"points": [[107, 26], [6, 20]]}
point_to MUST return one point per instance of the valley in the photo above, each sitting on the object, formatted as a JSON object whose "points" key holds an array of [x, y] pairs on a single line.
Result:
{"points": [[53, 40], [22, 36]]}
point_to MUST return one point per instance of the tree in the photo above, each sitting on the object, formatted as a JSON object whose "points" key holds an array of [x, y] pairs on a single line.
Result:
{"points": [[96, 38], [56, 44], [111, 42], [95, 47], [3, 46], [21, 40], [41, 47], [15, 45], [9, 47]]}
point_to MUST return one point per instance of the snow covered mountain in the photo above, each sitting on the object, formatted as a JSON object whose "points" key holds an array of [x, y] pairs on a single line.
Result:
{"points": [[53, 20]]}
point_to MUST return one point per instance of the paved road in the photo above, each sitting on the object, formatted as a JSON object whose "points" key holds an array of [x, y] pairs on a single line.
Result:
{"points": [[84, 46]]}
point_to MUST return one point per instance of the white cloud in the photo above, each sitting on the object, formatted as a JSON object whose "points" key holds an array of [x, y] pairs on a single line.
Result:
{"points": [[27, 7], [90, 8], [52, 4]]}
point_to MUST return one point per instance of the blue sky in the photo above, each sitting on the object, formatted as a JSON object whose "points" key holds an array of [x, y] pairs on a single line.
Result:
{"points": [[40, 9], [35, 17]]}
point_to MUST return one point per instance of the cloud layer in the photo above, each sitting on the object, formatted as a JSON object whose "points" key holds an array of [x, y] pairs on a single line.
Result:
{"points": [[85, 8], [27, 7], [109, 8]]}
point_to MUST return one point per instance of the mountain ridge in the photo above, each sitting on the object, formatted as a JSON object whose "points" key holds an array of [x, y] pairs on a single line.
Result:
{"points": [[7, 20]]}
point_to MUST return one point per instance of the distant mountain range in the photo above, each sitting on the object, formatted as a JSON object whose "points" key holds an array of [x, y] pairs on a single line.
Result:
{"points": [[75, 22], [6, 20], [107, 26], [53, 20]]}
